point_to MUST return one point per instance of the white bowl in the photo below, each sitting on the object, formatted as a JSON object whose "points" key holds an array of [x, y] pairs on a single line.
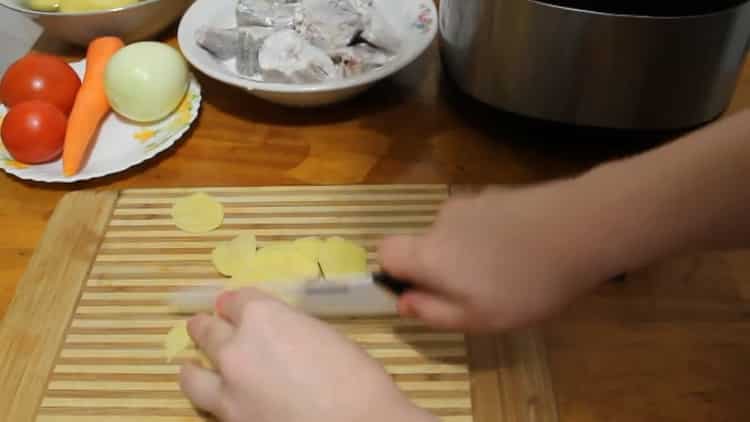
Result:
{"points": [[131, 23], [418, 19]]}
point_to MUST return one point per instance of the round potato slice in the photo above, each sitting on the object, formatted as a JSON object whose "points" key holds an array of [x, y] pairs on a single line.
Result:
{"points": [[177, 341], [242, 249], [309, 247], [277, 245], [341, 257], [197, 213], [232, 257], [277, 263], [222, 259]]}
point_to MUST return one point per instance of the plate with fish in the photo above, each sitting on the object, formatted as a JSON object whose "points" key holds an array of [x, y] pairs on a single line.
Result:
{"points": [[305, 52]]}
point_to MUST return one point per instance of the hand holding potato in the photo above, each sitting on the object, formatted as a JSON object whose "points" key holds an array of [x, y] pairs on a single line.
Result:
{"points": [[274, 364]]}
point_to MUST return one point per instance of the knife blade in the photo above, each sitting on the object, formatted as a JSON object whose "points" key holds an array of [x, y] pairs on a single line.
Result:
{"points": [[358, 295]]}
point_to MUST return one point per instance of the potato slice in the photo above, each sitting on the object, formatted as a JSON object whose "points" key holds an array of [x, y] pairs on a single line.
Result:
{"points": [[242, 249], [281, 262], [230, 258], [341, 257], [197, 213], [177, 341], [277, 245], [309, 247], [222, 260]]}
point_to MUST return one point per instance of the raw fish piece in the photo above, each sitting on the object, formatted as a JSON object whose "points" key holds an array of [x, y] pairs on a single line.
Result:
{"points": [[269, 13], [329, 24], [287, 57], [361, 5], [222, 43], [250, 42], [380, 30], [359, 59]]}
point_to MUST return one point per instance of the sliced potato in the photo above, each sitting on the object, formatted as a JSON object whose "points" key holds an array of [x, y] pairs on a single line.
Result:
{"points": [[341, 257], [277, 245], [230, 258], [197, 213], [242, 249], [309, 246], [177, 341], [276, 263], [222, 259]]}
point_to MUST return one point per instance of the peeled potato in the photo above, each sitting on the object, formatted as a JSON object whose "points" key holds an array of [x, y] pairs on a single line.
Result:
{"points": [[77, 6], [341, 257], [197, 213], [277, 263], [43, 5], [309, 247]]}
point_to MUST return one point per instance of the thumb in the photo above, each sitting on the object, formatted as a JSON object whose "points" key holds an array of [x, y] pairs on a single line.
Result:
{"points": [[436, 311], [400, 257]]}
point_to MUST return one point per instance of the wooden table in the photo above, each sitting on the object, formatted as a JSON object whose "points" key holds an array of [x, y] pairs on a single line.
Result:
{"points": [[672, 344]]}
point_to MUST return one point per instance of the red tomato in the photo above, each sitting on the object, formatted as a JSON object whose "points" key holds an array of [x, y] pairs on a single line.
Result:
{"points": [[40, 77], [34, 132]]}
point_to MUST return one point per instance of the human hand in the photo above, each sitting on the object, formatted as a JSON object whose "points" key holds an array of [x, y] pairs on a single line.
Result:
{"points": [[275, 364], [498, 260]]}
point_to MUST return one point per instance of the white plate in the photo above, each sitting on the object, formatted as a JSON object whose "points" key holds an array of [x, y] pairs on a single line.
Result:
{"points": [[120, 144], [416, 27]]}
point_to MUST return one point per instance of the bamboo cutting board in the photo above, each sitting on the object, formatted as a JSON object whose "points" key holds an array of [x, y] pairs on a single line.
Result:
{"points": [[82, 340]]}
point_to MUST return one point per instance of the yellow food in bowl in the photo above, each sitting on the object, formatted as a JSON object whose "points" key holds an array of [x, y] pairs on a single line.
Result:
{"points": [[77, 6], [43, 5]]}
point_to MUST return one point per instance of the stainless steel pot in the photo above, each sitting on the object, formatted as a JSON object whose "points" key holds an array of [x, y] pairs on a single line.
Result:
{"points": [[617, 68]]}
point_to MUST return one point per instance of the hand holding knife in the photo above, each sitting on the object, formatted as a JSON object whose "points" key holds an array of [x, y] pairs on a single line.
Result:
{"points": [[360, 295]]}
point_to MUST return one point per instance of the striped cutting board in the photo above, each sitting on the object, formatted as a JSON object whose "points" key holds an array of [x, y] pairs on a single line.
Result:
{"points": [[109, 260]]}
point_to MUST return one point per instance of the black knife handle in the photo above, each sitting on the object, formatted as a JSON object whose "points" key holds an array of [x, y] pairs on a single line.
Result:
{"points": [[622, 278], [396, 286], [399, 287]]}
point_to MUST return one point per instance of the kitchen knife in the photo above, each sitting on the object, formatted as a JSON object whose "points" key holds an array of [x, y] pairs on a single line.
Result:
{"points": [[360, 295]]}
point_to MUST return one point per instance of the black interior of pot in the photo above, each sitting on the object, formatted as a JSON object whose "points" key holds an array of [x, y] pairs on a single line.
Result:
{"points": [[648, 8]]}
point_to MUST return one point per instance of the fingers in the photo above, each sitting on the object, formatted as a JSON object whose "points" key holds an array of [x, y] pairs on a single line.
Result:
{"points": [[202, 387], [210, 334], [400, 257], [435, 311], [232, 304]]}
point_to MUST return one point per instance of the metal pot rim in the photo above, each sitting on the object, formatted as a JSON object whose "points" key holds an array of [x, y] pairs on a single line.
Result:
{"points": [[637, 16]]}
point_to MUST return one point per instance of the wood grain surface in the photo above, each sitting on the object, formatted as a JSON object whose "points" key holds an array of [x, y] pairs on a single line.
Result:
{"points": [[33, 328], [670, 345], [110, 362]]}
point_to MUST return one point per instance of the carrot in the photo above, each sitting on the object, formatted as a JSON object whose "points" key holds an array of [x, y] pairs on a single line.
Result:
{"points": [[91, 105]]}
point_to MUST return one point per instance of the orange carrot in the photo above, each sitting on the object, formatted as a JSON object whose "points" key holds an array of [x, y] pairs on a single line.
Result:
{"points": [[91, 105]]}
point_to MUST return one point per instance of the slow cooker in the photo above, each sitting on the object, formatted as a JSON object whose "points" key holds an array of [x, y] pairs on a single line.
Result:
{"points": [[616, 64]]}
